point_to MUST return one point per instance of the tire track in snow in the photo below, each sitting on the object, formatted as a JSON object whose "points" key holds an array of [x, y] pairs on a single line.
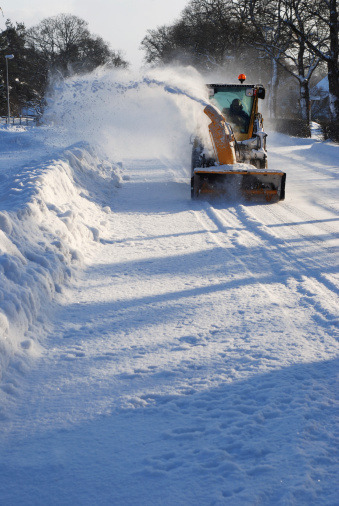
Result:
{"points": [[322, 225], [321, 291], [239, 227], [298, 224], [278, 243], [325, 298], [226, 221]]}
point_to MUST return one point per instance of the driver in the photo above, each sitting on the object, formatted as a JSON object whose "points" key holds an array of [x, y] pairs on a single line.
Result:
{"points": [[238, 116]]}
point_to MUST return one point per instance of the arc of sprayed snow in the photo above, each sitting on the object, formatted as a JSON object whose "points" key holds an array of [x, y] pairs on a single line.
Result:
{"points": [[174, 90]]}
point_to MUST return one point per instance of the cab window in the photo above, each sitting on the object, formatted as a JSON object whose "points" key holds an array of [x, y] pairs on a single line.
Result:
{"points": [[235, 105]]}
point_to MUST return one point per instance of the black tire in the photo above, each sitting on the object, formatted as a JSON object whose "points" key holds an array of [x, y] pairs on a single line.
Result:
{"points": [[192, 188], [283, 183], [196, 155], [196, 161]]}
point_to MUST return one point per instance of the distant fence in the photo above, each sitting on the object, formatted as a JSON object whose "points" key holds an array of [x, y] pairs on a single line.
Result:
{"points": [[19, 120]]}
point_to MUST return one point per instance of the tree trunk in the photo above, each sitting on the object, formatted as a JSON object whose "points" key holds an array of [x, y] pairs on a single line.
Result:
{"points": [[273, 90], [304, 100], [304, 89]]}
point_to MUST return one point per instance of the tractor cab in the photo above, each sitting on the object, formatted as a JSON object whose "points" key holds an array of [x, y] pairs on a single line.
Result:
{"points": [[239, 104]]}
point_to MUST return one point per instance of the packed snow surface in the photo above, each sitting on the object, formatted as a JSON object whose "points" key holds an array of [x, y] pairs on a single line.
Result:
{"points": [[156, 350]]}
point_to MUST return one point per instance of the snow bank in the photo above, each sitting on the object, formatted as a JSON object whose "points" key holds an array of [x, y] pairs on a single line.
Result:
{"points": [[48, 210], [325, 151], [52, 196]]}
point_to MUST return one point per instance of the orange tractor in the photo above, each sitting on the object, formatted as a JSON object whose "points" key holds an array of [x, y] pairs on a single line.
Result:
{"points": [[235, 161]]}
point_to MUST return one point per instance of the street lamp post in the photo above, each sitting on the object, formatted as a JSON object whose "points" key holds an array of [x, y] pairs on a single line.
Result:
{"points": [[8, 57]]}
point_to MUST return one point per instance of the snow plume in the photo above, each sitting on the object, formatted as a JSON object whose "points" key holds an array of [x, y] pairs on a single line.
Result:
{"points": [[52, 204], [141, 116]]}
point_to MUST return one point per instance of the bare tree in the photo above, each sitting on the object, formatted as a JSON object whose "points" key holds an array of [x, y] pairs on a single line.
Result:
{"points": [[208, 35], [269, 39], [303, 58], [284, 47], [322, 40], [162, 45], [25, 83], [64, 42]]}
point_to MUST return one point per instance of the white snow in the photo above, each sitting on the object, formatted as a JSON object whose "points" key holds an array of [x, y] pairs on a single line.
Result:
{"points": [[156, 350]]}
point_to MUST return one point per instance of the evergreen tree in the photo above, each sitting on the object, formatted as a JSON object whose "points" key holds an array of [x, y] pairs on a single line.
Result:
{"points": [[24, 83]]}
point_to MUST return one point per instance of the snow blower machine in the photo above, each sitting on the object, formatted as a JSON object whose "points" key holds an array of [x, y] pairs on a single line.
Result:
{"points": [[234, 163]]}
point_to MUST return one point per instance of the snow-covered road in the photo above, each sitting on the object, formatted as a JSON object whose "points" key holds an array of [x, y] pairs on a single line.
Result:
{"points": [[195, 358], [156, 350]]}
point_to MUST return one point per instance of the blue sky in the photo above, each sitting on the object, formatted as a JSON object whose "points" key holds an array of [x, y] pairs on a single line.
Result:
{"points": [[122, 23]]}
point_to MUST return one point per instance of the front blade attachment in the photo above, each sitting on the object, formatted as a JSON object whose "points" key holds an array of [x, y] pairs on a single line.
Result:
{"points": [[238, 181]]}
